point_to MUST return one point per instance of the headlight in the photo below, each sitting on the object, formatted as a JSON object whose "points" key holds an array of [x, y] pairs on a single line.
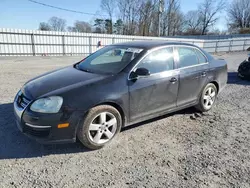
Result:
{"points": [[47, 105]]}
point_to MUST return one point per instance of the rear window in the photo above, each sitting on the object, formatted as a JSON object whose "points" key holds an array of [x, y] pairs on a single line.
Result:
{"points": [[187, 57]]}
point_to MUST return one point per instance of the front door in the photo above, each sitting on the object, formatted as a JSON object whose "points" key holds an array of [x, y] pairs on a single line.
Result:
{"points": [[158, 91]]}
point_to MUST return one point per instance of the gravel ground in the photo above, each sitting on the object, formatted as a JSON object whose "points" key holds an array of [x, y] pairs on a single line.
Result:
{"points": [[183, 149]]}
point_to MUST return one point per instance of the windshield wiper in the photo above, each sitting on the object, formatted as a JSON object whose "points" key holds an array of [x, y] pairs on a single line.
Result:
{"points": [[85, 70]]}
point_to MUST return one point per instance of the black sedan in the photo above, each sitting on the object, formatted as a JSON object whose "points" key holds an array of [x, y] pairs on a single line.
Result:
{"points": [[117, 86], [244, 69]]}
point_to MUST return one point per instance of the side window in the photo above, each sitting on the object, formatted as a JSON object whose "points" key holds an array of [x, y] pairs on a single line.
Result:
{"points": [[158, 61], [200, 56], [187, 57]]}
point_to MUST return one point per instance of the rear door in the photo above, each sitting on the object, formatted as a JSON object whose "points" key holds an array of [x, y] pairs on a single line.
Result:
{"points": [[157, 92], [193, 68]]}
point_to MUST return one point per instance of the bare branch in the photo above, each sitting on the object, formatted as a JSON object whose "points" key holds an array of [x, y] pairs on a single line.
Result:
{"points": [[239, 14], [81, 27], [209, 10], [57, 24], [193, 22]]}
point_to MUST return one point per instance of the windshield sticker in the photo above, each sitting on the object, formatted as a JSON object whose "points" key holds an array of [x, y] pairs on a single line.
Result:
{"points": [[134, 50]]}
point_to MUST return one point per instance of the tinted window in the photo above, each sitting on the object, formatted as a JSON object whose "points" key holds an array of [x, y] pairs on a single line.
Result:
{"points": [[187, 57], [158, 61], [110, 59], [201, 57]]}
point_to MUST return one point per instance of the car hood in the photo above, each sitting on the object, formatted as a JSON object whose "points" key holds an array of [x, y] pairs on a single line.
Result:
{"points": [[61, 79]]}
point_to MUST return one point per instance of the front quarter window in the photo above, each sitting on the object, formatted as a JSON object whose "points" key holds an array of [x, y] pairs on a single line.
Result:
{"points": [[109, 60]]}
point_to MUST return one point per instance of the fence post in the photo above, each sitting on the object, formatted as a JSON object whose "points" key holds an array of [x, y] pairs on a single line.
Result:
{"points": [[63, 45], [33, 44], [216, 46], [113, 40], [230, 45], [244, 45], [90, 45]]}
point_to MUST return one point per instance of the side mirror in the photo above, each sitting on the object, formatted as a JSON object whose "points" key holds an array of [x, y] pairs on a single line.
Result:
{"points": [[139, 73]]}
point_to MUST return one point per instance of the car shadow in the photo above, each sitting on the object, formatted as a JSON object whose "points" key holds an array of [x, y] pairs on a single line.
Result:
{"points": [[15, 145], [234, 79]]}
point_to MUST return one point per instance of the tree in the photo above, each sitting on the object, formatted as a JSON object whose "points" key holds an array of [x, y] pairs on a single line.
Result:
{"points": [[178, 20], [155, 23], [122, 6], [57, 24], [118, 26], [172, 18], [209, 10], [239, 14], [109, 6], [99, 25], [128, 12], [81, 27], [146, 17], [108, 26], [192, 23], [44, 26], [172, 7]]}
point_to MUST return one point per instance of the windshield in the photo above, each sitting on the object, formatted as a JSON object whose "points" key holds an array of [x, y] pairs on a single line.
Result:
{"points": [[109, 60]]}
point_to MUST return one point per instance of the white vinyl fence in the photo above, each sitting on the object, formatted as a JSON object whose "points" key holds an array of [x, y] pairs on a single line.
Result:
{"points": [[19, 42]]}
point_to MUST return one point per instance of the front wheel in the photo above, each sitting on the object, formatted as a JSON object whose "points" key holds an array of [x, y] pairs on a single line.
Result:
{"points": [[99, 127], [207, 98]]}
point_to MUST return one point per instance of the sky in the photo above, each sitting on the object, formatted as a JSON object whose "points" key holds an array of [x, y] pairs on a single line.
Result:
{"points": [[23, 14]]}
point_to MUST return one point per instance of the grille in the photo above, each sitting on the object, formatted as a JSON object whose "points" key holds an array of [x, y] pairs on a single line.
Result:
{"points": [[41, 133], [22, 101]]}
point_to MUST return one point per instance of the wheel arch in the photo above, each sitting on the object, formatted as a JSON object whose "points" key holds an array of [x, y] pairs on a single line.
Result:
{"points": [[216, 85], [210, 82], [117, 107]]}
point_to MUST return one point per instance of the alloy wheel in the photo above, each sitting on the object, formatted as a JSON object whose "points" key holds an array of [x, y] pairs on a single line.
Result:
{"points": [[102, 128], [209, 97]]}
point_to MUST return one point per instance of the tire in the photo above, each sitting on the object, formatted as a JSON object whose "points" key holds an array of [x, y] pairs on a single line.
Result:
{"points": [[207, 98], [100, 125]]}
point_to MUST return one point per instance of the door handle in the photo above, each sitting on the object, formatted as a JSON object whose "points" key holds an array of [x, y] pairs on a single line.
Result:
{"points": [[173, 80], [204, 74]]}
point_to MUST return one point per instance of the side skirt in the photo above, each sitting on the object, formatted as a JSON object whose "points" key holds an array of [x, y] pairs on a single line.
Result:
{"points": [[161, 113]]}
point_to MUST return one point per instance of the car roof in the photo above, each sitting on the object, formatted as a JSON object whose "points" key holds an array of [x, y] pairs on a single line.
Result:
{"points": [[149, 44]]}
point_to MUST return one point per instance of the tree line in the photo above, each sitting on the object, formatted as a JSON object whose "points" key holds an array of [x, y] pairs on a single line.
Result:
{"points": [[160, 17]]}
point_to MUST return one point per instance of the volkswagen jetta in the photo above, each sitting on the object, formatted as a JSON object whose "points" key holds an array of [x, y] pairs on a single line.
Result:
{"points": [[117, 86]]}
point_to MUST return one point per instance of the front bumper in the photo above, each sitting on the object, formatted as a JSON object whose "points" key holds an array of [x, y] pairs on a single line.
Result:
{"points": [[43, 127]]}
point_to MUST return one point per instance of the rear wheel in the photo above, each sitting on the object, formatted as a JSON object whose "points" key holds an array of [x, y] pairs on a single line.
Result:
{"points": [[207, 98], [100, 126]]}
